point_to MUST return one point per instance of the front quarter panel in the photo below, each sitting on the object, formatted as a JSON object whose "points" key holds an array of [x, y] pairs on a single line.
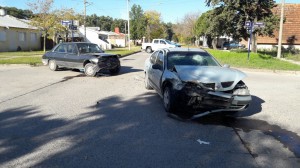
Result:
{"points": [[172, 77]]}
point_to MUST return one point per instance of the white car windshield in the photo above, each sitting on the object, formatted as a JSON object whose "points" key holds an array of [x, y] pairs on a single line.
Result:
{"points": [[190, 58], [169, 42]]}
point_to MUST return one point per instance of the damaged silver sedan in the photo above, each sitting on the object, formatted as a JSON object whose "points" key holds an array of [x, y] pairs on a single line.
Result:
{"points": [[193, 80]]}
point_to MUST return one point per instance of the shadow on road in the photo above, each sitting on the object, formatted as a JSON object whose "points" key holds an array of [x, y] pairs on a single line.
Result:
{"points": [[118, 132]]}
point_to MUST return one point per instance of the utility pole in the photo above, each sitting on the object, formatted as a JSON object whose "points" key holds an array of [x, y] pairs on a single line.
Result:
{"points": [[128, 25], [84, 22], [280, 30]]}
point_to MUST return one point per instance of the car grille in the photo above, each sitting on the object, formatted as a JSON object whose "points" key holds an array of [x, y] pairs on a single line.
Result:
{"points": [[209, 85], [111, 58], [226, 84]]}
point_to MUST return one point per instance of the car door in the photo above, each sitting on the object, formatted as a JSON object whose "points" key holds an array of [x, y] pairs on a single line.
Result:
{"points": [[72, 58], [162, 44], [156, 74], [59, 55], [150, 70], [155, 45]]}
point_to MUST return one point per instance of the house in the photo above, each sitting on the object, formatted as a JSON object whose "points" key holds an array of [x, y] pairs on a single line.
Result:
{"points": [[104, 39], [16, 34], [291, 29]]}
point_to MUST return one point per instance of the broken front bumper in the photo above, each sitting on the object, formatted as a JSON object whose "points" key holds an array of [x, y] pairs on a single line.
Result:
{"points": [[213, 100]]}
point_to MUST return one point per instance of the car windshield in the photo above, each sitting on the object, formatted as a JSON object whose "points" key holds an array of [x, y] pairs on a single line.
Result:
{"points": [[89, 48], [191, 59], [169, 42]]}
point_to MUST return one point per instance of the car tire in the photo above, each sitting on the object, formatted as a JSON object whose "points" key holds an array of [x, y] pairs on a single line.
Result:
{"points": [[115, 70], [147, 85], [169, 100], [90, 70], [149, 50], [52, 65]]}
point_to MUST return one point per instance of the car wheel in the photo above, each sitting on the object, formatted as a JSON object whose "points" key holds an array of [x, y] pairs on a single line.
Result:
{"points": [[169, 100], [115, 70], [52, 65], [147, 86], [148, 49], [89, 69]]}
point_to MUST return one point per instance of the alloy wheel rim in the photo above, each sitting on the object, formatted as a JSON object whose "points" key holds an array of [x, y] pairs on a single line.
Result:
{"points": [[52, 65], [90, 70]]}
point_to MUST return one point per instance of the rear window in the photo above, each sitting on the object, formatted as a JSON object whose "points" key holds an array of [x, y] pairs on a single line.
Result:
{"points": [[190, 59]]}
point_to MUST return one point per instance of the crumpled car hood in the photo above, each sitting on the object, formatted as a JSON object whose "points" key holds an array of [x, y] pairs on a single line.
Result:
{"points": [[209, 74]]}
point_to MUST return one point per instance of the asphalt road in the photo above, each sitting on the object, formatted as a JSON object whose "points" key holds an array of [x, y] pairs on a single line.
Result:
{"points": [[64, 119]]}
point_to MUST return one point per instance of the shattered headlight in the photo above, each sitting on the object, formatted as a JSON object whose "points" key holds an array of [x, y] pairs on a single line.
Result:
{"points": [[241, 92], [95, 60]]}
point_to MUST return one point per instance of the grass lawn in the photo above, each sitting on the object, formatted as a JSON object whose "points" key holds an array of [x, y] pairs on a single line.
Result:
{"points": [[34, 57], [257, 60], [124, 51]]}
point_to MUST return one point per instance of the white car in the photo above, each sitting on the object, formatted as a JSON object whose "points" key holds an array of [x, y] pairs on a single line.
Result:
{"points": [[158, 44], [193, 79]]}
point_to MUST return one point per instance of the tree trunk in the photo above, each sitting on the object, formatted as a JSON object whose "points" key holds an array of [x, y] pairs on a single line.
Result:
{"points": [[254, 44], [214, 43], [44, 43]]}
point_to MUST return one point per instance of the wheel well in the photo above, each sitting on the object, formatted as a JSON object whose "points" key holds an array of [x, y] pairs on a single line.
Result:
{"points": [[165, 84], [86, 62], [148, 47]]}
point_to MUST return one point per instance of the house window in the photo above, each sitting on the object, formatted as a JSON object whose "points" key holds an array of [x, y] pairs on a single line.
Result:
{"points": [[2, 36], [33, 37], [22, 36]]}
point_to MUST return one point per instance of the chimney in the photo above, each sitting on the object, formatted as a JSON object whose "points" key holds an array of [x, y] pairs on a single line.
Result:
{"points": [[117, 30], [2, 12]]}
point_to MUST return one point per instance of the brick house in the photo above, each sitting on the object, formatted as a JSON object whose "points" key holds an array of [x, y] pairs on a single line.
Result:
{"points": [[291, 29]]}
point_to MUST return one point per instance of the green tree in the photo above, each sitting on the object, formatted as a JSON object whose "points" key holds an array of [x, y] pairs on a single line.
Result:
{"points": [[184, 28], [63, 14], [154, 28], [44, 18], [137, 23], [104, 22], [18, 13], [230, 17], [169, 32]]}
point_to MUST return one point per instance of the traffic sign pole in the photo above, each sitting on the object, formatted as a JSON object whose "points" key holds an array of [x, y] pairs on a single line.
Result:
{"points": [[250, 40]]}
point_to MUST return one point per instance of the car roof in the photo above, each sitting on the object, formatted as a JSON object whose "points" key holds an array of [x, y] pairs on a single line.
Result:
{"points": [[76, 43], [179, 49]]}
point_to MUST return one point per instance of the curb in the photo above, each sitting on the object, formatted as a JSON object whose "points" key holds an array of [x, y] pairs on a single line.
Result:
{"points": [[129, 54], [269, 71]]}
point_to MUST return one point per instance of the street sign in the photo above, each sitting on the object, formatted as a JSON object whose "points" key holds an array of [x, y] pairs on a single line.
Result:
{"points": [[66, 22], [259, 24], [248, 23]]}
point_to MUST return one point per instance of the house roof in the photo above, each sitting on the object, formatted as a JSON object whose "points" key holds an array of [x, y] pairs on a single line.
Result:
{"points": [[291, 30], [109, 33], [10, 21]]}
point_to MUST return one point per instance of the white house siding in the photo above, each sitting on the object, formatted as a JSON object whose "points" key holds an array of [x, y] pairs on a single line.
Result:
{"points": [[13, 38], [93, 37]]}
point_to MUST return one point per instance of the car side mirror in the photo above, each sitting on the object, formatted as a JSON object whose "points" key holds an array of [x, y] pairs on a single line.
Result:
{"points": [[156, 66], [226, 66]]}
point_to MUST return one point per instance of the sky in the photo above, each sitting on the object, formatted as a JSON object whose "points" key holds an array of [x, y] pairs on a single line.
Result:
{"points": [[171, 10]]}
